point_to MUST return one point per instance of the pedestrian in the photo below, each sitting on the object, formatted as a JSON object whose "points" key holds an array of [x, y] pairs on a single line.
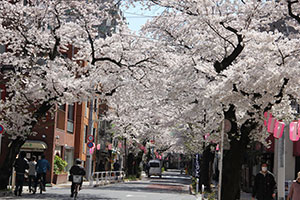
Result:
{"points": [[41, 168], [295, 189], [264, 185], [76, 169], [116, 166], [101, 166], [32, 173], [21, 165]]}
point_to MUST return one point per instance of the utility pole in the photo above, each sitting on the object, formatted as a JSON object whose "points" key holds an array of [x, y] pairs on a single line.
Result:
{"points": [[281, 164], [221, 160], [89, 156]]}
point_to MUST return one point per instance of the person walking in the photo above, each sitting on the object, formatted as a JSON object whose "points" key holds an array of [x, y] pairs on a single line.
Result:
{"points": [[32, 173], [294, 192], [41, 168], [264, 185], [76, 169], [21, 164]]}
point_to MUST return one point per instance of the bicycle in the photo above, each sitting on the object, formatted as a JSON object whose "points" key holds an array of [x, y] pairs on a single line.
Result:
{"points": [[77, 182]]}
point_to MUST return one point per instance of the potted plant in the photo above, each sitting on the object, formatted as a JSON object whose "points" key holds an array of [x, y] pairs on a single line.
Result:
{"points": [[60, 175]]}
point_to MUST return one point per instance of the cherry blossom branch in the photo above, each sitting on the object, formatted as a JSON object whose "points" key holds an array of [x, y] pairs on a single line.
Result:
{"points": [[296, 17], [55, 52], [227, 61]]}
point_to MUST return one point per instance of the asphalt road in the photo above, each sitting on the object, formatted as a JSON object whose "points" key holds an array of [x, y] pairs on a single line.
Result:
{"points": [[172, 186]]}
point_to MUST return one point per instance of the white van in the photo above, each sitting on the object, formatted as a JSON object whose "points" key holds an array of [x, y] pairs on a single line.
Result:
{"points": [[154, 168]]}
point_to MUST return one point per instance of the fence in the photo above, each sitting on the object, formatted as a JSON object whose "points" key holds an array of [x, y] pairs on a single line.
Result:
{"points": [[106, 177]]}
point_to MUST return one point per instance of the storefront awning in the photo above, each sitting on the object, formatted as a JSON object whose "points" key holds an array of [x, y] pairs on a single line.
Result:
{"points": [[34, 145]]}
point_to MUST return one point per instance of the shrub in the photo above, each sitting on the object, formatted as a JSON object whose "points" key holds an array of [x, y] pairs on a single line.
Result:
{"points": [[59, 165]]}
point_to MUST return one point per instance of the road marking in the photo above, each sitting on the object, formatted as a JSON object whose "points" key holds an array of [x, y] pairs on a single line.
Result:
{"points": [[130, 195]]}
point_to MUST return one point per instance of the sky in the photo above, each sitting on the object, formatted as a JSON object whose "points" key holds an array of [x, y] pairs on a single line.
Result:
{"points": [[136, 17]]}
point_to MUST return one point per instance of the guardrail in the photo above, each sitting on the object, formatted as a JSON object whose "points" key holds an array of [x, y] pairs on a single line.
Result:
{"points": [[106, 177]]}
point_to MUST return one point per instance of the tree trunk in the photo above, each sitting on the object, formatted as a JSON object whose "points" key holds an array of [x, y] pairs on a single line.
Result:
{"points": [[6, 168], [232, 171], [233, 158], [205, 168]]}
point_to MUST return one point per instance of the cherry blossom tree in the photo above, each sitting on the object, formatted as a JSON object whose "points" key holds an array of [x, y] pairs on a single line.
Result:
{"points": [[229, 60], [59, 52]]}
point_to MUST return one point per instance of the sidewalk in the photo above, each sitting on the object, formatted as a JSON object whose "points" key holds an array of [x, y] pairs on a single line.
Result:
{"points": [[244, 196], [26, 190]]}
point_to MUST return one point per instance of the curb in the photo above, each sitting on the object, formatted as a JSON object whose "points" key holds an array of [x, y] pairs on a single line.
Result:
{"points": [[5, 193]]}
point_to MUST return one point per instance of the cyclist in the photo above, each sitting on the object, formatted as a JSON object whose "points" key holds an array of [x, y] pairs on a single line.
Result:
{"points": [[41, 169], [76, 169]]}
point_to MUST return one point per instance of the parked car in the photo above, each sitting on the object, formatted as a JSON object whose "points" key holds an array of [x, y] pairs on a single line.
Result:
{"points": [[154, 168]]}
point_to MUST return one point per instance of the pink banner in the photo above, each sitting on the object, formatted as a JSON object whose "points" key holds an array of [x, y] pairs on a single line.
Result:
{"points": [[120, 145], [206, 136], [92, 150], [98, 146], [267, 116], [294, 131], [278, 130], [271, 124]]}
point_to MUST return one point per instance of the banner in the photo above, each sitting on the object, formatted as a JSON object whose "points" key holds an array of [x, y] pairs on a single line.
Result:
{"points": [[294, 131], [267, 116], [271, 124], [278, 130]]}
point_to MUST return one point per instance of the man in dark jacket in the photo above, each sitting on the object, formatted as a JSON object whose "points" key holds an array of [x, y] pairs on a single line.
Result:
{"points": [[264, 185], [20, 165], [41, 168], [76, 169]]}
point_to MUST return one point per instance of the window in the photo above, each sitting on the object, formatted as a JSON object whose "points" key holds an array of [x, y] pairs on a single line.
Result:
{"points": [[85, 108], [61, 117], [95, 105], [94, 133], [70, 123], [85, 133], [154, 164], [2, 91], [2, 48]]}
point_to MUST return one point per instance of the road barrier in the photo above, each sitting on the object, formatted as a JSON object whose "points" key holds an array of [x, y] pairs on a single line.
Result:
{"points": [[106, 177]]}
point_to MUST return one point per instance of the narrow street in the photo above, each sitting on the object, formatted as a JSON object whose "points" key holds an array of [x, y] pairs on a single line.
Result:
{"points": [[172, 186]]}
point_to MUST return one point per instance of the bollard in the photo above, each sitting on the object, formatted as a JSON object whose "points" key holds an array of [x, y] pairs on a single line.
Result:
{"points": [[13, 181], [197, 186]]}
